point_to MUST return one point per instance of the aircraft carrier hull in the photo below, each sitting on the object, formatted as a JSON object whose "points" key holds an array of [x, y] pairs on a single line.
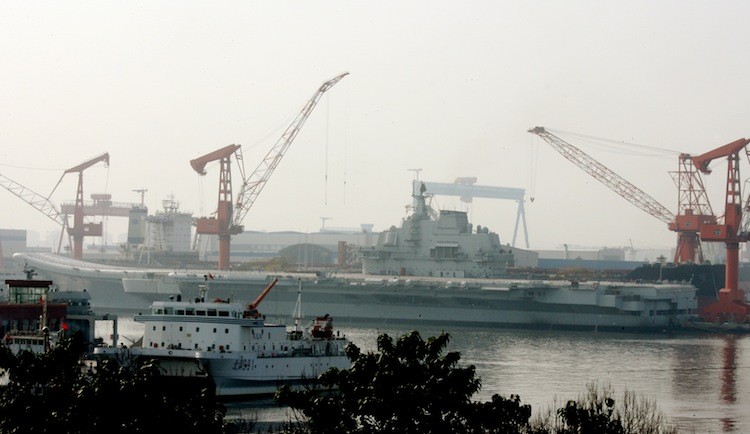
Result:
{"points": [[381, 299], [471, 302], [102, 282]]}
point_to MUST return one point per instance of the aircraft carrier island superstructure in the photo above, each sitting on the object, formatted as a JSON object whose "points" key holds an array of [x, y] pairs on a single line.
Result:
{"points": [[437, 247]]}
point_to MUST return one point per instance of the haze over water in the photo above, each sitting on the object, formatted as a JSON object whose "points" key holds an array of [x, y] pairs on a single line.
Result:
{"points": [[700, 382]]}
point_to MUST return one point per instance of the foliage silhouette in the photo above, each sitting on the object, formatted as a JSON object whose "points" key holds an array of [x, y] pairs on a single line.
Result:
{"points": [[54, 392], [410, 387], [407, 387]]}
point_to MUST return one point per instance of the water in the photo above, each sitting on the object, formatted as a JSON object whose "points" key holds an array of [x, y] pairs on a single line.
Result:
{"points": [[701, 383]]}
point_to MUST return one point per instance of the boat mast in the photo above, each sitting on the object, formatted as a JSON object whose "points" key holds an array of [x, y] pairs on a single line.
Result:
{"points": [[298, 309], [43, 322]]}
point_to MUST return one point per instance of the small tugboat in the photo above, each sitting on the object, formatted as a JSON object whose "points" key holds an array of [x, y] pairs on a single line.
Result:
{"points": [[34, 314], [231, 344]]}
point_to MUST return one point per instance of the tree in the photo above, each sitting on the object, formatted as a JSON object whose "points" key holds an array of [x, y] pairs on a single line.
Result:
{"points": [[54, 392], [597, 411], [411, 387], [407, 387]]}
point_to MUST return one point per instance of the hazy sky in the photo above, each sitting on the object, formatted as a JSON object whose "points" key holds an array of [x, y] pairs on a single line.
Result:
{"points": [[447, 87]]}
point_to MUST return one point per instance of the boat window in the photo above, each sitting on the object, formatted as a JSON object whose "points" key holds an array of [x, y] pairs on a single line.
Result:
{"points": [[158, 311], [189, 312], [214, 329], [226, 331], [169, 311], [223, 313], [212, 312], [180, 311], [200, 312]]}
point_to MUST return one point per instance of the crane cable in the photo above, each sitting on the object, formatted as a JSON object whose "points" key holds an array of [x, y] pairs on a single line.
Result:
{"points": [[346, 133], [32, 168], [614, 144], [533, 155], [328, 128]]}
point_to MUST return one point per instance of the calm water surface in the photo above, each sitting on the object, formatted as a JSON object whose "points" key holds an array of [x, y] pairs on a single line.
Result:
{"points": [[702, 383]]}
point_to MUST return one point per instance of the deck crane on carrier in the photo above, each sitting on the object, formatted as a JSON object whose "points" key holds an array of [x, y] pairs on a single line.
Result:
{"points": [[731, 305], [229, 215], [694, 209]]}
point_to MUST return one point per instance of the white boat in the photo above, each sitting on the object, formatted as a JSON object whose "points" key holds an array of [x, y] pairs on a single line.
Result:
{"points": [[231, 344]]}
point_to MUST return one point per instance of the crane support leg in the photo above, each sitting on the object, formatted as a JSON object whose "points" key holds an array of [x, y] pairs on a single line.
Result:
{"points": [[688, 247], [224, 241], [731, 306]]}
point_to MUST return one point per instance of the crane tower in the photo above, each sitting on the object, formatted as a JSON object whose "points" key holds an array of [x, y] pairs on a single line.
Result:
{"points": [[230, 214], [79, 228], [731, 305]]}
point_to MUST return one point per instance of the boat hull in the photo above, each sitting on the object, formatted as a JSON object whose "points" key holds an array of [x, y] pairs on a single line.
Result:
{"points": [[234, 374]]}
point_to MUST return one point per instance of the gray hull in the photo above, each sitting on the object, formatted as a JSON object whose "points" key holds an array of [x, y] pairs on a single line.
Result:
{"points": [[469, 302], [356, 298]]}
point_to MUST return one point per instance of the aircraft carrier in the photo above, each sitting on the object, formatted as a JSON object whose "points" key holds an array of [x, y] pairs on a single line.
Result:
{"points": [[434, 268]]}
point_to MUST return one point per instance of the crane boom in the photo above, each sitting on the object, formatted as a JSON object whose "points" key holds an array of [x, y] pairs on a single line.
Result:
{"points": [[199, 164], [606, 176], [253, 185], [701, 162], [34, 199], [252, 308], [39, 202], [86, 164]]}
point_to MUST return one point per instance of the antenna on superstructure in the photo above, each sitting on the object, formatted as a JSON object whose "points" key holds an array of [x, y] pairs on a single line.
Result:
{"points": [[415, 187], [323, 222], [142, 191]]}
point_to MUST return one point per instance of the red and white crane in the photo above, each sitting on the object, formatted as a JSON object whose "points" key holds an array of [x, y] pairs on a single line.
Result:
{"points": [[694, 209], [230, 214], [39, 202]]}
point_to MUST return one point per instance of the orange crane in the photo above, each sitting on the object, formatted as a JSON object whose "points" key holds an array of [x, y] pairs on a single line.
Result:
{"points": [[229, 215], [694, 207], [79, 228], [220, 225], [252, 308], [731, 305]]}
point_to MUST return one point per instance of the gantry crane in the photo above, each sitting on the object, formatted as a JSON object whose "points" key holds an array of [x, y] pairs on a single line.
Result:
{"points": [[694, 207], [731, 305], [229, 216], [79, 228]]}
